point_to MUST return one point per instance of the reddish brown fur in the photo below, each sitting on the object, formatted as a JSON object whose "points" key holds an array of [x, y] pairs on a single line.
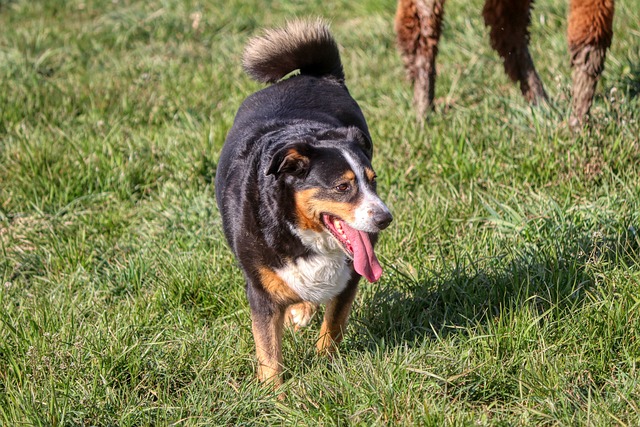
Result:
{"points": [[294, 156], [309, 209], [589, 33], [268, 338], [343, 211], [370, 174], [276, 287], [349, 176], [590, 23], [335, 318], [418, 25], [307, 309], [307, 218], [267, 331]]}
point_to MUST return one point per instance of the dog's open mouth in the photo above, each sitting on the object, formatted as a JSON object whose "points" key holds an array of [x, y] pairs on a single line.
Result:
{"points": [[357, 246]]}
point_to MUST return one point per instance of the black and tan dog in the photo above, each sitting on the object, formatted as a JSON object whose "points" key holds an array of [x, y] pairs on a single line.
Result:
{"points": [[297, 192]]}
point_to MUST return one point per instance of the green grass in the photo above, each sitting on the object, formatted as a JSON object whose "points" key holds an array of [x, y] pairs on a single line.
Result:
{"points": [[511, 293]]}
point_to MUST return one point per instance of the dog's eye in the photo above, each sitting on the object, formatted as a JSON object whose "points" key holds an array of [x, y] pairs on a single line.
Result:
{"points": [[343, 188], [374, 178]]}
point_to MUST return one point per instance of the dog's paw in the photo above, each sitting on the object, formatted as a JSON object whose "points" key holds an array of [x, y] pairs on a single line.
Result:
{"points": [[299, 315]]}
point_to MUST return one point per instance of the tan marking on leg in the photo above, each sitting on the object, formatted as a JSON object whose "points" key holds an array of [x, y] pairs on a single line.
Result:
{"points": [[267, 333], [276, 287], [299, 315], [335, 318]]}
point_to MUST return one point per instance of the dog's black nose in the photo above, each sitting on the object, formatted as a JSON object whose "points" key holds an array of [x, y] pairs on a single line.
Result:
{"points": [[382, 219]]}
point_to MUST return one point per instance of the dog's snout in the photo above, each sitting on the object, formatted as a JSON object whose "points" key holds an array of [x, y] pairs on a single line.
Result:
{"points": [[382, 219]]}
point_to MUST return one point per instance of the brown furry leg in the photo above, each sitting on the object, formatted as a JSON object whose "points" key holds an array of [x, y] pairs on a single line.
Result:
{"points": [[267, 300], [509, 21], [299, 315], [267, 333], [589, 31], [335, 317], [418, 26]]}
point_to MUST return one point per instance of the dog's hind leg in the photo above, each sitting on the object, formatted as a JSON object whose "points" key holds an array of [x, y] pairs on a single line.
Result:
{"points": [[589, 33], [418, 25], [509, 21], [335, 317], [299, 315]]}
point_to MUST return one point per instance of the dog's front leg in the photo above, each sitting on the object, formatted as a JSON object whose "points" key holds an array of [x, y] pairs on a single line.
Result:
{"points": [[268, 297], [267, 324], [335, 317]]}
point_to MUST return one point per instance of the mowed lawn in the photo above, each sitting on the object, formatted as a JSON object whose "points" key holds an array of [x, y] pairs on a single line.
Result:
{"points": [[511, 292]]}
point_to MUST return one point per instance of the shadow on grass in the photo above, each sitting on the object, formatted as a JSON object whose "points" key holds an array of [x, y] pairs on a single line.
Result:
{"points": [[553, 280]]}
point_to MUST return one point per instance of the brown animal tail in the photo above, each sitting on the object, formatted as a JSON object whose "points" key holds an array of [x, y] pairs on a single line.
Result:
{"points": [[303, 45]]}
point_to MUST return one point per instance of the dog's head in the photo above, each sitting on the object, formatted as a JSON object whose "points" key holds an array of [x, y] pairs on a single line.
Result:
{"points": [[333, 185]]}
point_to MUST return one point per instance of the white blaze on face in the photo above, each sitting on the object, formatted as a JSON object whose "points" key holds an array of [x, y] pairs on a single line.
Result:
{"points": [[369, 201]]}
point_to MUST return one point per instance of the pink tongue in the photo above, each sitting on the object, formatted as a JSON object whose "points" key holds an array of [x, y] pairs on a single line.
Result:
{"points": [[364, 259]]}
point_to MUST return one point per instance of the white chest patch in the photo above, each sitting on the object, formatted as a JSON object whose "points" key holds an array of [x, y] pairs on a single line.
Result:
{"points": [[321, 276]]}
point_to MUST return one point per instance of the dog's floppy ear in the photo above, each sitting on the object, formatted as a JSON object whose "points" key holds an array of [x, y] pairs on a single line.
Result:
{"points": [[291, 159]]}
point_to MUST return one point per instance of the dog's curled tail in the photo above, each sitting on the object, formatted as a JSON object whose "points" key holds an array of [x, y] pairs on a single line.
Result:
{"points": [[305, 45]]}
